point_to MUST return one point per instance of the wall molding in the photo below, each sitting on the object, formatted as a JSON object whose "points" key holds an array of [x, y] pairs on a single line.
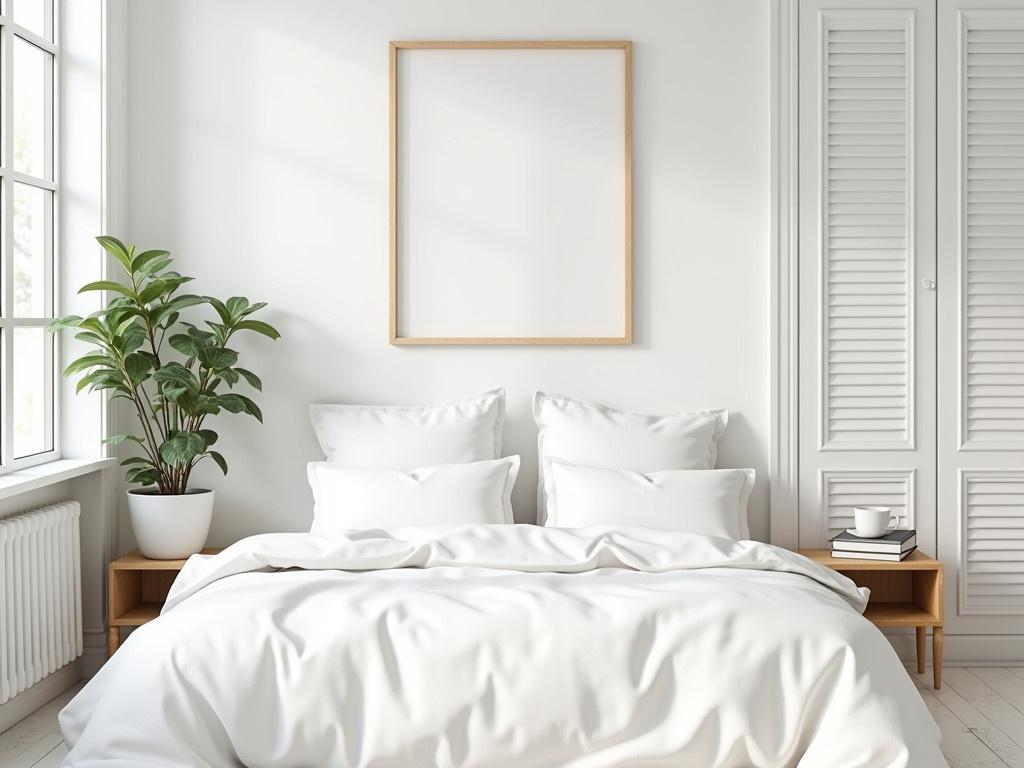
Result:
{"points": [[783, 510], [965, 650]]}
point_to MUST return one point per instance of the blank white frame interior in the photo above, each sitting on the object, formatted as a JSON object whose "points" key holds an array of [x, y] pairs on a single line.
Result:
{"points": [[510, 194]]}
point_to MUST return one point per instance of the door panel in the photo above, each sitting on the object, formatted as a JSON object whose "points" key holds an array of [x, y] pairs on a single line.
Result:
{"points": [[867, 241], [981, 313]]}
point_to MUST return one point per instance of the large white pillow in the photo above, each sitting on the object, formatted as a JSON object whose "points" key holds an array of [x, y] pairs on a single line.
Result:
{"points": [[708, 501], [448, 494], [582, 432], [404, 437]]}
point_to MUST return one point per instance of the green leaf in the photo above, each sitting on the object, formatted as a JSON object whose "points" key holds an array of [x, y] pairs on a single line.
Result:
{"points": [[174, 393], [220, 461], [131, 339], [142, 475], [176, 373], [219, 308], [117, 439], [254, 308], [231, 402], [209, 436], [251, 408], [182, 448], [89, 361], [154, 290], [93, 338], [107, 285], [147, 258], [174, 306], [215, 358], [236, 305], [137, 460], [117, 249], [184, 343], [252, 378], [137, 366], [68, 321], [260, 327], [90, 379]]}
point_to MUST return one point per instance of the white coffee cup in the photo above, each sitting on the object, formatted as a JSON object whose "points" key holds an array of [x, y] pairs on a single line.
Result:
{"points": [[873, 522]]}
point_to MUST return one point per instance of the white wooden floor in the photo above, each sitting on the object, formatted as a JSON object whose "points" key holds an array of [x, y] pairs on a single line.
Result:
{"points": [[979, 709]]}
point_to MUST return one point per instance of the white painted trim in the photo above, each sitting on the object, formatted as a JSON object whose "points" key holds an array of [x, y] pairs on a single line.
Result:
{"points": [[31, 699], [94, 652], [784, 463], [965, 650], [42, 475]]}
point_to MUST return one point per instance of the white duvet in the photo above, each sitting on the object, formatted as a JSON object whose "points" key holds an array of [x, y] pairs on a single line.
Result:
{"points": [[504, 646]]}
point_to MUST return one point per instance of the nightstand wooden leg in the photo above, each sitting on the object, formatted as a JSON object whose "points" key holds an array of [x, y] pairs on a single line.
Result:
{"points": [[921, 635], [113, 640], [937, 656]]}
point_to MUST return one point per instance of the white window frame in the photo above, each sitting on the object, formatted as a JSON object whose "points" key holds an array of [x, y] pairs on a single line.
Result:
{"points": [[9, 31]]}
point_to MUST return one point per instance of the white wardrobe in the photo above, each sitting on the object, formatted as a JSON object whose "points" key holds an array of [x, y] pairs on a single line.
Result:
{"points": [[911, 287]]}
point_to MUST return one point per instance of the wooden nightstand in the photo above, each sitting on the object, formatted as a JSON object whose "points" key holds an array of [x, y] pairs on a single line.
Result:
{"points": [[904, 594], [136, 592]]}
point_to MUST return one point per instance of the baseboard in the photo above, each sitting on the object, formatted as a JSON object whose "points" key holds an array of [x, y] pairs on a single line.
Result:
{"points": [[965, 650], [31, 699], [94, 653]]}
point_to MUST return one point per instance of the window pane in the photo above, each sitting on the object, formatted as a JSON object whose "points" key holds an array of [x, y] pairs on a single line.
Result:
{"points": [[35, 15], [32, 363], [32, 228], [33, 91]]}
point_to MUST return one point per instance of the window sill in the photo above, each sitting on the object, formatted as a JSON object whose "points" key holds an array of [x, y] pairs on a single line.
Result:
{"points": [[42, 475]]}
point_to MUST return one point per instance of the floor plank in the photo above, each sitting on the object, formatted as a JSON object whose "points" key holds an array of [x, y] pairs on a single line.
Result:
{"points": [[1003, 681], [34, 737], [53, 758], [1011, 753], [961, 746], [990, 703]]}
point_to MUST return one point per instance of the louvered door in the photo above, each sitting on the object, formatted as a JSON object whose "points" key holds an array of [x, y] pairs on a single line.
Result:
{"points": [[867, 241], [981, 314]]}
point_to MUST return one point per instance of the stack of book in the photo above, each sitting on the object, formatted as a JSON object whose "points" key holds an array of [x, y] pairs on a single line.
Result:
{"points": [[894, 546]]}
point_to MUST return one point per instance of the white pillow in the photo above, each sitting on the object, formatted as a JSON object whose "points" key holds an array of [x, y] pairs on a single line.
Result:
{"points": [[449, 494], [586, 433], [405, 437], [708, 501]]}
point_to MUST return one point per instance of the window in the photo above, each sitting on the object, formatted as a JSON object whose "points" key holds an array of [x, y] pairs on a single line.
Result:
{"points": [[28, 200]]}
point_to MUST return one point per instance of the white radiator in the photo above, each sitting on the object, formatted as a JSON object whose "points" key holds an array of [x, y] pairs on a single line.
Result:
{"points": [[40, 595]]}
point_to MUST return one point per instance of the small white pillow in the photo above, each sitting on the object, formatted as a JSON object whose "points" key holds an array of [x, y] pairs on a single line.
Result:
{"points": [[449, 494], [405, 437], [708, 501], [587, 433]]}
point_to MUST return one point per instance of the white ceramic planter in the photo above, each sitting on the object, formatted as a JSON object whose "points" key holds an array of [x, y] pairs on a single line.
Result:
{"points": [[170, 527]]}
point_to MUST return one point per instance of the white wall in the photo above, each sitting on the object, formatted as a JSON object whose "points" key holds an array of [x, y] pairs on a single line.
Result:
{"points": [[257, 138]]}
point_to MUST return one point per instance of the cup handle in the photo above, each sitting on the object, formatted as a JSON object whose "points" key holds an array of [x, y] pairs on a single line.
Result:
{"points": [[894, 521]]}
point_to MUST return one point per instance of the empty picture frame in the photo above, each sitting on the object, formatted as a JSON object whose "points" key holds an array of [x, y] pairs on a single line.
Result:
{"points": [[510, 192]]}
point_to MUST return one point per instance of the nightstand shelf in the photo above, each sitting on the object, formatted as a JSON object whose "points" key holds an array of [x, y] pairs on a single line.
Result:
{"points": [[903, 594], [137, 589], [900, 615], [138, 615]]}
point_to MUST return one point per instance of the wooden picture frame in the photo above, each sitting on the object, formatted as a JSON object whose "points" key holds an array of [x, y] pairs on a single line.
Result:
{"points": [[612, 285]]}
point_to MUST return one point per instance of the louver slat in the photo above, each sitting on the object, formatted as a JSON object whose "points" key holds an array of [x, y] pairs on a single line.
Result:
{"points": [[993, 266], [844, 490], [865, 269], [993, 542]]}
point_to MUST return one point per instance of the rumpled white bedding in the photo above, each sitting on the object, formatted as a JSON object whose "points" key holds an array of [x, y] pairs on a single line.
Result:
{"points": [[504, 645]]}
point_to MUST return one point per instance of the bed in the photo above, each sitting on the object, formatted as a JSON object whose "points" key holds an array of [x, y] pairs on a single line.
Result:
{"points": [[504, 645]]}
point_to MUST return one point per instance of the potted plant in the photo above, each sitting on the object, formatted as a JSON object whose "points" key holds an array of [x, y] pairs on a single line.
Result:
{"points": [[172, 394]]}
